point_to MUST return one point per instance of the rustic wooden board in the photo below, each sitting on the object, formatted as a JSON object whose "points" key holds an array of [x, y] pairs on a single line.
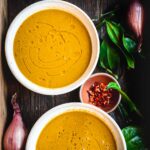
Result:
{"points": [[3, 12], [33, 105]]}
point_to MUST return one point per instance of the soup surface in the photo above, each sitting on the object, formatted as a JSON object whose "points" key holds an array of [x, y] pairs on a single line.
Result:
{"points": [[76, 130], [52, 48]]}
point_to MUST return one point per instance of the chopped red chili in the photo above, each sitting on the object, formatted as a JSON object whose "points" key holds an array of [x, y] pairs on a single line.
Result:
{"points": [[99, 95]]}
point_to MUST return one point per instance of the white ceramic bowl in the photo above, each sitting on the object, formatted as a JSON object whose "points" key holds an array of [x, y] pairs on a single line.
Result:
{"points": [[103, 77], [49, 115], [30, 10]]}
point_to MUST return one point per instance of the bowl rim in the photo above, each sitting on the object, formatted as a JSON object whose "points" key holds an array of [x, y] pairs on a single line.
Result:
{"points": [[37, 7], [102, 74], [67, 107]]}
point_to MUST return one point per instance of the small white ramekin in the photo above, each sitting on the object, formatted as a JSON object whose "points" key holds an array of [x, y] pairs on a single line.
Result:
{"points": [[44, 5], [58, 110]]}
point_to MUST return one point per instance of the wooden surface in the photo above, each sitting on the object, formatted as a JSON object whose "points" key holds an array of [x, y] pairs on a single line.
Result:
{"points": [[2, 83], [33, 105]]}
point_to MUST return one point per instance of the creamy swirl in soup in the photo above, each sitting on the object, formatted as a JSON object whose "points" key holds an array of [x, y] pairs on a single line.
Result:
{"points": [[52, 48]]}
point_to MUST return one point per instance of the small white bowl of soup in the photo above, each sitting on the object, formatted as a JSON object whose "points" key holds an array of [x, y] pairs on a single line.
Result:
{"points": [[52, 47], [75, 126]]}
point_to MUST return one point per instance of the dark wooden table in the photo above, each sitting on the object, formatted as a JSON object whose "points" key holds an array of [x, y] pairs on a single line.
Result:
{"points": [[33, 105]]}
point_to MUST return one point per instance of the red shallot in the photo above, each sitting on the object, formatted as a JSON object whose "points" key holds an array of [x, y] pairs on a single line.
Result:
{"points": [[136, 20], [16, 133]]}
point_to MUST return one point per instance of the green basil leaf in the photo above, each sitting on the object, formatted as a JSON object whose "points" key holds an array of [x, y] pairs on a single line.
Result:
{"points": [[114, 31], [103, 59], [132, 106], [113, 57], [130, 60], [103, 62], [133, 138], [129, 44], [108, 15], [98, 26]]}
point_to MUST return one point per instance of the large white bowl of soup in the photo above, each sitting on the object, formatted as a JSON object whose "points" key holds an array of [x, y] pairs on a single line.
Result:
{"points": [[75, 126], [52, 47]]}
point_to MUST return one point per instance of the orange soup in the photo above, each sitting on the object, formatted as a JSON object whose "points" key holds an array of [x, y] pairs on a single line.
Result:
{"points": [[76, 130], [52, 48]]}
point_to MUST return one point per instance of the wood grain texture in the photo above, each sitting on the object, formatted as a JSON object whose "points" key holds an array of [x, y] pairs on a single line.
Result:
{"points": [[3, 12], [33, 105]]}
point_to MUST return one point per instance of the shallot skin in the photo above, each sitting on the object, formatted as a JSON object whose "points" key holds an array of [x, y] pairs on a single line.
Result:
{"points": [[16, 133], [135, 17]]}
